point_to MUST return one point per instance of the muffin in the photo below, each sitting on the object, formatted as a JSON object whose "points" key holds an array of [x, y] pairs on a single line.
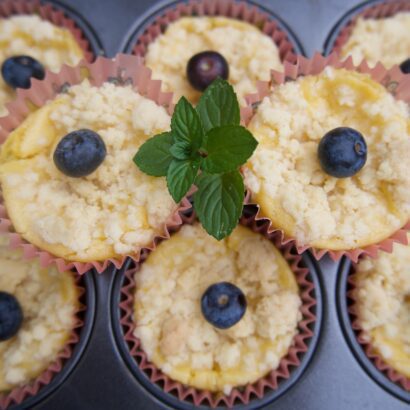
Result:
{"points": [[114, 209], [383, 40], [250, 53], [30, 35], [48, 301], [177, 331], [381, 297], [287, 174], [248, 43]]}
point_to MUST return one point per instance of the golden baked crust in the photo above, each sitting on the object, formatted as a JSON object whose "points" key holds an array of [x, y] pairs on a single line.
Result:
{"points": [[287, 181], [383, 305], [29, 35], [49, 300], [250, 53], [114, 211], [168, 317]]}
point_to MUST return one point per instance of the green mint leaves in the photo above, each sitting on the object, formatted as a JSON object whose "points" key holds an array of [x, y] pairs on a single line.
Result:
{"points": [[205, 147]]}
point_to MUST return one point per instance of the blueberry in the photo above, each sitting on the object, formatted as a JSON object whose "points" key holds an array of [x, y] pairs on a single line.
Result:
{"points": [[342, 152], [11, 316], [203, 68], [17, 71], [405, 66], [80, 153], [223, 305]]}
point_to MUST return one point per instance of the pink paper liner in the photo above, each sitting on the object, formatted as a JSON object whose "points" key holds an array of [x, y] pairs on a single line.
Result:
{"points": [[50, 13], [250, 391], [239, 10], [363, 340], [397, 83], [375, 11], [124, 69], [19, 394]]}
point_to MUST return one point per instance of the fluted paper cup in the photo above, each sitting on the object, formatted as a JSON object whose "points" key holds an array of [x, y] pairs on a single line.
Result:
{"points": [[375, 11], [21, 393], [243, 394], [52, 14], [239, 10], [393, 80], [364, 340], [124, 69]]}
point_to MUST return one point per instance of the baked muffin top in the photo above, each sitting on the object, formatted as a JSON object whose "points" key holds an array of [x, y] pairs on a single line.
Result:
{"points": [[29, 35], [113, 211], [382, 295], [382, 40], [49, 301], [288, 182], [173, 331], [251, 55]]}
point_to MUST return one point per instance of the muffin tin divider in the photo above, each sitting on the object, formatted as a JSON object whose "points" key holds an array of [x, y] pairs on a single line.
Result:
{"points": [[95, 45], [83, 23], [101, 380]]}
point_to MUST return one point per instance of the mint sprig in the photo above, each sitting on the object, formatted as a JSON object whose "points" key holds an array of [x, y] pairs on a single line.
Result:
{"points": [[205, 147]]}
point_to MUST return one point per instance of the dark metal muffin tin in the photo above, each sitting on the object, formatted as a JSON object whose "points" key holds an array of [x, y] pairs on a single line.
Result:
{"points": [[335, 374]]}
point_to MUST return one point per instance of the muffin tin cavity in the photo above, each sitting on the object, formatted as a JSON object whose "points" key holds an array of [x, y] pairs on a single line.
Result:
{"points": [[175, 394], [156, 20], [379, 371], [373, 9], [60, 15], [57, 373]]}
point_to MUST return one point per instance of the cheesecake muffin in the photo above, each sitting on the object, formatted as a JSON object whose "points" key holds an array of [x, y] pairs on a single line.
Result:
{"points": [[67, 175], [331, 169], [216, 315], [38, 309], [29, 35], [382, 40], [250, 54], [382, 306]]}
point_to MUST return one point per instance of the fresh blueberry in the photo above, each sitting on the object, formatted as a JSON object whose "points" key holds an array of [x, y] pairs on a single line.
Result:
{"points": [[17, 71], [80, 153], [11, 316], [223, 305], [203, 68], [342, 152], [405, 66]]}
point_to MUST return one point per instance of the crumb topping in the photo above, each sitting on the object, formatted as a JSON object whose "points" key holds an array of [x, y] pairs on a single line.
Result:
{"points": [[285, 175], [172, 329]]}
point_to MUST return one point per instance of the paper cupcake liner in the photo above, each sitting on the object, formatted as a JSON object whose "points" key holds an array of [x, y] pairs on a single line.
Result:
{"points": [[239, 395], [239, 10], [19, 394], [50, 13], [124, 69], [375, 11], [393, 80], [363, 339]]}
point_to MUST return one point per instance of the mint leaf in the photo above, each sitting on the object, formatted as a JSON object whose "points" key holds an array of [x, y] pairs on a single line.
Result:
{"points": [[153, 157], [181, 150], [181, 175], [208, 140], [186, 125], [218, 106], [219, 202], [227, 148]]}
